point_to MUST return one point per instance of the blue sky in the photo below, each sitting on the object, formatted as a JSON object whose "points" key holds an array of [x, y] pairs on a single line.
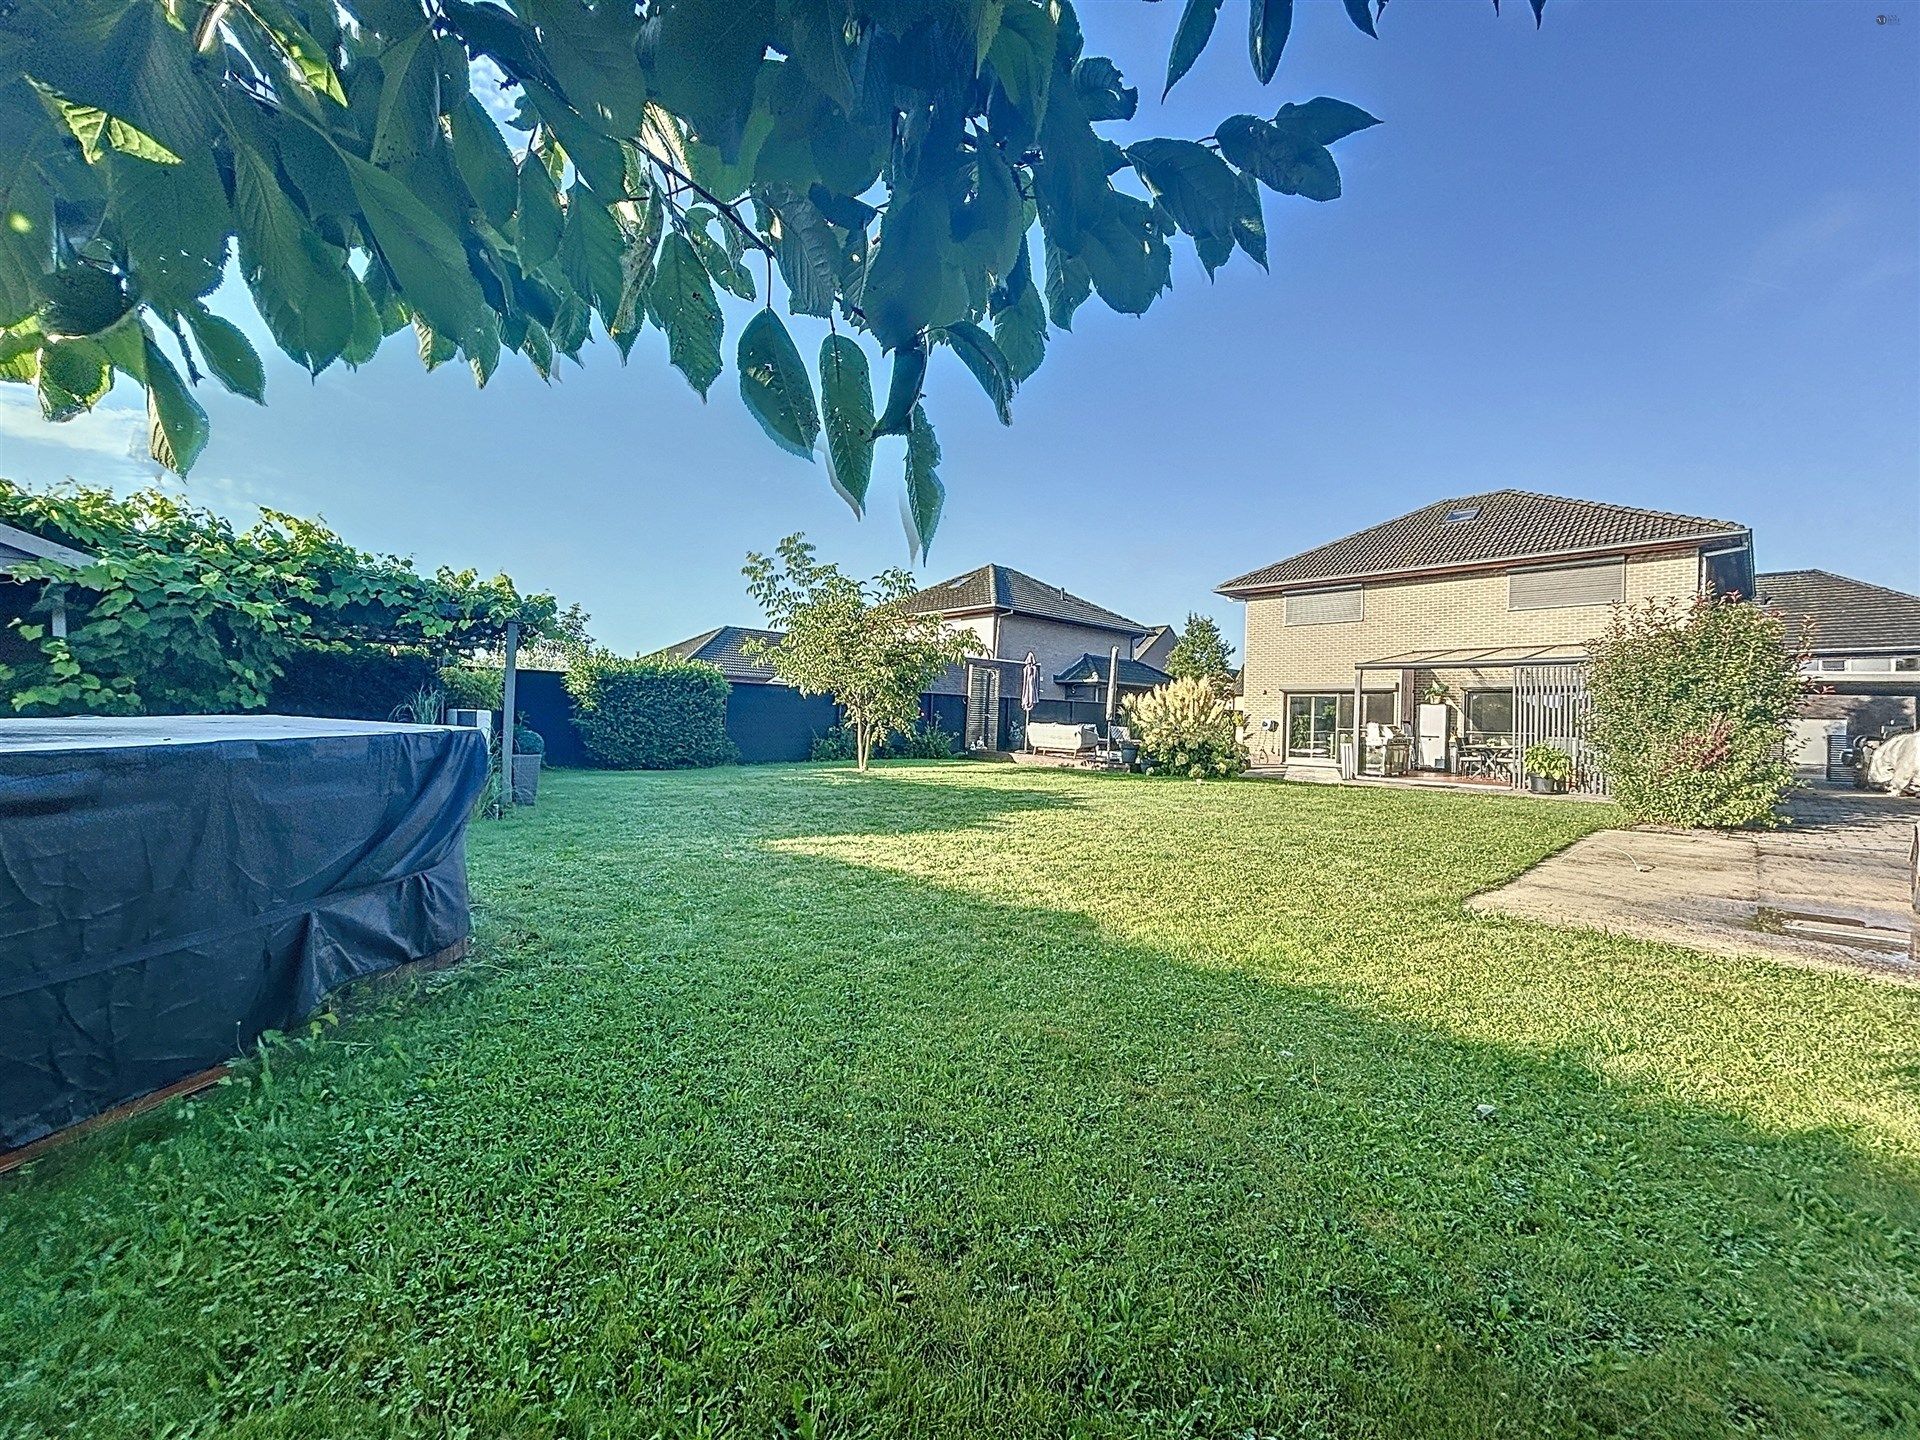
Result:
{"points": [[1662, 254]]}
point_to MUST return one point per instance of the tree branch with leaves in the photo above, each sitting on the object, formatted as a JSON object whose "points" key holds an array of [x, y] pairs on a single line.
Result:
{"points": [[850, 639], [889, 163]]}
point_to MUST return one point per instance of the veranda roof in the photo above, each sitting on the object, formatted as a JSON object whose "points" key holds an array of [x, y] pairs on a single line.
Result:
{"points": [[1497, 657]]}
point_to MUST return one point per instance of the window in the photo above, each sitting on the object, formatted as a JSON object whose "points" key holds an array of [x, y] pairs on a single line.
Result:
{"points": [[1488, 713], [1313, 722], [1316, 724], [1325, 607], [1727, 572], [1907, 662], [1462, 515], [1833, 664], [1602, 582], [1872, 665]]}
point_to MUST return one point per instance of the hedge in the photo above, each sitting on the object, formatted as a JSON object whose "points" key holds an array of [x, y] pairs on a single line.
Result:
{"points": [[656, 714]]}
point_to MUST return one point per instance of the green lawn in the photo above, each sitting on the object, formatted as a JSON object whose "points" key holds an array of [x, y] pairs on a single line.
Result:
{"points": [[979, 1100]]}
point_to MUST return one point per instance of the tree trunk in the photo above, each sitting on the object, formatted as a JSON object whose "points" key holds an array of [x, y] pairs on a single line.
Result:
{"points": [[862, 742]]}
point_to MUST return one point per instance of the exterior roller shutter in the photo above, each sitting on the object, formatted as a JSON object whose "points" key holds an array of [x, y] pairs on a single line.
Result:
{"points": [[1601, 583], [1325, 607]]}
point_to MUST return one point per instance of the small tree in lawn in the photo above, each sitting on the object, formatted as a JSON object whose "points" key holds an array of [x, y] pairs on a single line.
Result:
{"points": [[1202, 653], [851, 639], [1691, 700]]}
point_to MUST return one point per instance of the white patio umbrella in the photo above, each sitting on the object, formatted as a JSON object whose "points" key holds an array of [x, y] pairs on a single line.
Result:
{"points": [[1029, 693], [1113, 684]]}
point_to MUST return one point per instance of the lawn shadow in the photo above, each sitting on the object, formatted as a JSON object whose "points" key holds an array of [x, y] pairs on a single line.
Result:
{"points": [[831, 1148]]}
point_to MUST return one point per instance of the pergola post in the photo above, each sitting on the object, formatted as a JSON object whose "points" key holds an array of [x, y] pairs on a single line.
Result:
{"points": [[1359, 747], [509, 684]]}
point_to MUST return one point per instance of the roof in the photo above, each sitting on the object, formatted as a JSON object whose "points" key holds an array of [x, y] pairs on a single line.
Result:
{"points": [[1473, 530], [1846, 615], [725, 647], [1494, 657], [996, 587], [1092, 670], [18, 544]]}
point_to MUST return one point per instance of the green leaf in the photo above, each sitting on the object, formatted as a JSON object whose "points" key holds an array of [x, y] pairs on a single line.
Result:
{"points": [[1103, 93], [775, 384], [132, 62], [173, 222], [592, 52], [229, 355], [425, 257], [1282, 159], [537, 220], [636, 273], [1020, 330], [805, 250], [590, 248], [368, 331], [176, 425], [846, 397], [301, 283], [703, 58], [1360, 12], [26, 203], [1193, 185], [981, 356], [1022, 56], [725, 268], [903, 389], [680, 301], [1195, 29], [917, 279], [1321, 121], [1268, 22], [1250, 221], [73, 376], [1068, 285], [99, 133], [926, 496], [305, 56], [408, 114], [485, 163]]}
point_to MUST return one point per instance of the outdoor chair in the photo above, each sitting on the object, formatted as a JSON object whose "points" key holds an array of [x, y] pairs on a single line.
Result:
{"points": [[1117, 750]]}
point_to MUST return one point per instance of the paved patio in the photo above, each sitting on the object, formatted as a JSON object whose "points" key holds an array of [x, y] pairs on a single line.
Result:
{"points": [[1834, 887]]}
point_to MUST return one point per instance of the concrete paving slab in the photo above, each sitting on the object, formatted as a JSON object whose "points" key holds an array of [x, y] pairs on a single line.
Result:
{"points": [[1834, 887]]}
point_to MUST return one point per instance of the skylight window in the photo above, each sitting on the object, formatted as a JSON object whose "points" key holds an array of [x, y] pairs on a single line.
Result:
{"points": [[1463, 514]]}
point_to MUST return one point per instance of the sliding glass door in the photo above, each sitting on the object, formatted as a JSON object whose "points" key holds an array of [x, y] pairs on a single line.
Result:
{"points": [[1316, 724]]}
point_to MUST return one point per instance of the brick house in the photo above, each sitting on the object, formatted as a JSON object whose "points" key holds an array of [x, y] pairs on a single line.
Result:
{"points": [[1863, 644], [1486, 602], [1014, 615]]}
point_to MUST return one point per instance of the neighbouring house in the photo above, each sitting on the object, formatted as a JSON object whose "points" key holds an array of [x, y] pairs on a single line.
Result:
{"points": [[1014, 615], [1863, 644], [1483, 605], [1155, 648]]}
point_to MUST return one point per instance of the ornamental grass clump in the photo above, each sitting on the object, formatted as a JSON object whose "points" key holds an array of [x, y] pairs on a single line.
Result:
{"points": [[1691, 700], [1184, 728]]}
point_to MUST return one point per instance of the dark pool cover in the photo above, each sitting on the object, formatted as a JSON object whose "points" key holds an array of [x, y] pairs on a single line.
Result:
{"points": [[169, 889]]}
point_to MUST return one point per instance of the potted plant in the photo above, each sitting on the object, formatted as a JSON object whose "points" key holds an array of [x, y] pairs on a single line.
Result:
{"points": [[529, 748], [1435, 694], [1549, 769]]}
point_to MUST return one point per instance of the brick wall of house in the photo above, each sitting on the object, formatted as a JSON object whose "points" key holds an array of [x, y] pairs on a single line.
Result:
{"points": [[1056, 645], [1432, 614]]}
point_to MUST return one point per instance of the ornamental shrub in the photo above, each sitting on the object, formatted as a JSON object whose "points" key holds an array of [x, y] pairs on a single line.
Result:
{"points": [[653, 714], [1184, 728], [473, 687], [1691, 700], [925, 741]]}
